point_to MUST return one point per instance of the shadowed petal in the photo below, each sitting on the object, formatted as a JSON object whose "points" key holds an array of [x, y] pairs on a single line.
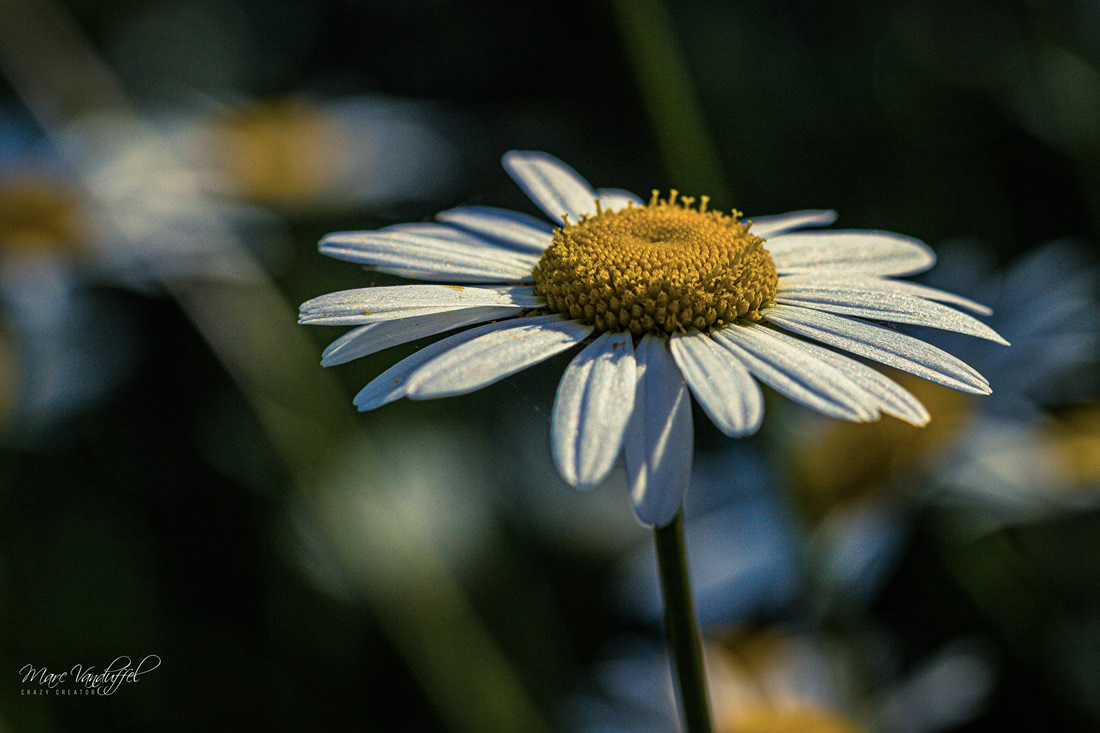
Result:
{"points": [[659, 438], [392, 384], [771, 226], [370, 305], [869, 252], [592, 409], [893, 307], [797, 374], [880, 344], [886, 394], [555, 188], [835, 283], [494, 355], [374, 337], [431, 252], [614, 199], [515, 228], [722, 385]]}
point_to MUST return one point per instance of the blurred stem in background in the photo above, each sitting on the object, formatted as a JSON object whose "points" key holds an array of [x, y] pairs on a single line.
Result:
{"points": [[1067, 80], [671, 99], [252, 330]]}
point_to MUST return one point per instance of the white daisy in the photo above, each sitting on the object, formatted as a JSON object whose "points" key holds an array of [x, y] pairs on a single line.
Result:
{"points": [[667, 297], [302, 155]]}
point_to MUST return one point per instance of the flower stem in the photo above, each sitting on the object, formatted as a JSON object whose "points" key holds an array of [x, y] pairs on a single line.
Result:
{"points": [[682, 627]]}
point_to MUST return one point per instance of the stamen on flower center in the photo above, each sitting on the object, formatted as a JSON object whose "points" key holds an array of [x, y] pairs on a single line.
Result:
{"points": [[660, 268]]}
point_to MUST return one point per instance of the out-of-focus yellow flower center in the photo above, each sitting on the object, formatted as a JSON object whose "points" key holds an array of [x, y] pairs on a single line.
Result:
{"points": [[9, 379], [279, 152], [848, 462], [37, 215], [664, 267], [767, 719], [1075, 442]]}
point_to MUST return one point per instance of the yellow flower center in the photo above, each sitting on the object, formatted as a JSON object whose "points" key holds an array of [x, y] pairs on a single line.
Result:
{"points": [[664, 267], [38, 215], [281, 152], [764, 719]]}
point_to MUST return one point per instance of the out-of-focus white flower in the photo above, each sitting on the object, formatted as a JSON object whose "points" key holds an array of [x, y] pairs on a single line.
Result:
{"points": [[153, 220], [996, 456], [781, 682], [107, 201], [305, 155], [992, 462], [742, 545], [377, 516]]}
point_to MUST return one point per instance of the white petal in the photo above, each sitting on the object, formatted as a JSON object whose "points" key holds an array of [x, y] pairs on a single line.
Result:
{"points": [[659, 438], [432, 252], [797, 374], [555, 188], [370, 305], [592, 409], [393, 383], [893, 307], [873, 252], [835, 283], [614, 199], [770, 226], [880, 344], [515, 228], [886, 394], [494, 355], [375, 337], [723, 385]]}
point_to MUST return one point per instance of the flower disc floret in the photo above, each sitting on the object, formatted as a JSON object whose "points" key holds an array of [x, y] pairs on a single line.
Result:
{"points": [[665, 267]]}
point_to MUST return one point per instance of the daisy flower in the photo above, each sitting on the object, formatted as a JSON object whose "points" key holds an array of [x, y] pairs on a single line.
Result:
{"points": [[300, 155], [775, 679], [667, 296]]}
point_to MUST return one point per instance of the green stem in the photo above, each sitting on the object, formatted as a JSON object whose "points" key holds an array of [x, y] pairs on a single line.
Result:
{"points": [[682, 627]]}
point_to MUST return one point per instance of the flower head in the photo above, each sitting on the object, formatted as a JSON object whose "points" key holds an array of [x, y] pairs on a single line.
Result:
{"points": [[771, 679], [666, 296]]}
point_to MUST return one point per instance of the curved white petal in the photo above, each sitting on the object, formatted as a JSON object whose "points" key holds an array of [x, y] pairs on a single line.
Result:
{"points": [[835, 283], [375, 337], [722, 385], [431, 251], [515, 228], [886, 394], [498, 353], [370, 305], [592, 409], [797, 374], [555, 188], [393, 383], [885, 306], [770, 226], [614, 199], [658, 446], [880, 344], [873, 252]]}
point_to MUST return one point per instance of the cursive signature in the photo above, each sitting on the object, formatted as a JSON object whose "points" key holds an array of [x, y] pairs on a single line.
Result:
{"points": [[98, 682]]}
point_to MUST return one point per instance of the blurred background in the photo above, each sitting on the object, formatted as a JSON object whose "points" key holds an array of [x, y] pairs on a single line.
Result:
{"points": [[179, 477]]}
